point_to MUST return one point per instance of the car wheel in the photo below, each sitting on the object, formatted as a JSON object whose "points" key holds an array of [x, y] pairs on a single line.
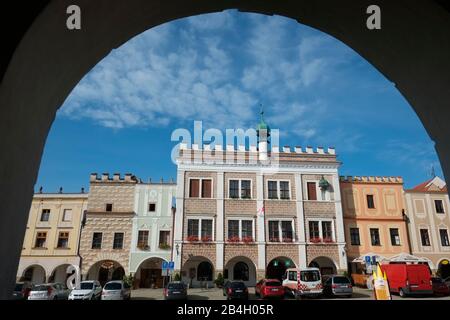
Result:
{"points": [[401, 293]]}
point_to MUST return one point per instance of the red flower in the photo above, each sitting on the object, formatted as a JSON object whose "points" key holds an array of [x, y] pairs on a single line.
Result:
{"points": [[247, 239], [315, 240], [192, 238], [206, 239], [328, 240], [233, 239]]}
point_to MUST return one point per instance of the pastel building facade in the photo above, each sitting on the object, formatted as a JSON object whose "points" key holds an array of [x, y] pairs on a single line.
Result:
{"points": [[151, 240], [107, 228], [253, 213], [52, 237], [374, 219], [428, 211]]}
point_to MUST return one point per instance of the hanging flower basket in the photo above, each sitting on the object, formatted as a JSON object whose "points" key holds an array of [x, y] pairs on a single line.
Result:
{"points": [[234, 239], [206, 239], [328, 240], [247, 239], [192, 238]]}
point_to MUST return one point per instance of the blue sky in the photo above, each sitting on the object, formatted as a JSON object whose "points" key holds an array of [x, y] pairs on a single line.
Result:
{"points": [[218, 68]]}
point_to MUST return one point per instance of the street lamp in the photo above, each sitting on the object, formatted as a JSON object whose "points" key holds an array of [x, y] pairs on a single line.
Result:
{"points": [[177, 247]]}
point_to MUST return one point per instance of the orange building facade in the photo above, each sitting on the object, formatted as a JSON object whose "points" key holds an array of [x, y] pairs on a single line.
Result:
{"points": [[374, 220]]}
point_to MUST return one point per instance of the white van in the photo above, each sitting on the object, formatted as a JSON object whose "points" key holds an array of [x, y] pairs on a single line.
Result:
{"points": [[303, 282]]}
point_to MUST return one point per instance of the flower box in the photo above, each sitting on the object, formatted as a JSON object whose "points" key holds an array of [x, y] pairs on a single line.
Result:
{"points": [[247, 239], [315, 240], [206, 239], [192, 238], [233, 239], [328, 240]]}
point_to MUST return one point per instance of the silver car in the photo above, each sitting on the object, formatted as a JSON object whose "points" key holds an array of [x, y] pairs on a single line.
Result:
{"points": [[116, 290], [88, 290], [336, 285], [49, 291]]}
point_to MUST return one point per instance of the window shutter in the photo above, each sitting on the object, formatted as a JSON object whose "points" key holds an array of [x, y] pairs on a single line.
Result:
{"points": [[194, 188], [312, 194], [206, 188]]}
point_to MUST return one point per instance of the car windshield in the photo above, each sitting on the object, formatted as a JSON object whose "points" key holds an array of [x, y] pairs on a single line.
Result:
{"points": [[113, 286], [175, 286], [18, 287], [273, 283], [41, 288], [341, 280], [86, 286], [238, 285], [309, 276]]}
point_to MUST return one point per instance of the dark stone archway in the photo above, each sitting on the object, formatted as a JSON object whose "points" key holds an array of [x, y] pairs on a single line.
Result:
{"points": [[411, 50]]}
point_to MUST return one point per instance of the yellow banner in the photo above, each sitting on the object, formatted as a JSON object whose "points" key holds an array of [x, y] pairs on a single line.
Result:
{"points": [[380, 284]]}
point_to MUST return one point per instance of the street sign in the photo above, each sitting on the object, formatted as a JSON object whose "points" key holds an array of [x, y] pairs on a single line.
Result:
{"points": [[171, 265], [165, 265], [374, 260], [367, 258], [164, 272]]}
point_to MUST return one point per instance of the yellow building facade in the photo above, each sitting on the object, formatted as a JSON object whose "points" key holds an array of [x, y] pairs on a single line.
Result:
{"points": [[52, 237]]}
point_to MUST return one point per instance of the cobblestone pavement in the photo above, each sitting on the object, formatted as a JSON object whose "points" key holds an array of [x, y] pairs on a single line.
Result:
{"points": [[216, 294]]}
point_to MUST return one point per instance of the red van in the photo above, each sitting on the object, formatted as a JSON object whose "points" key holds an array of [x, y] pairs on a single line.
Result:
{"points": [[408, 279]]}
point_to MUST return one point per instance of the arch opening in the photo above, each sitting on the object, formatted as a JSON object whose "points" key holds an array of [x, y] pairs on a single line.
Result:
{"points": [[198, 272], [106, 270], [277, 267], [149, 274], [324, 264]]}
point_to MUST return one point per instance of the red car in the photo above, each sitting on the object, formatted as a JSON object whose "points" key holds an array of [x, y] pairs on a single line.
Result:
{"points": [[439, 287], [268, 288]]}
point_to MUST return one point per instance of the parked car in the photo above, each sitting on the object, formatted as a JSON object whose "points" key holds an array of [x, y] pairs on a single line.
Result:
{"points": [[116, 290], [49, 291], [175, 290], [306, 282], [336, 285], [440, 287], [408, 279], [235, 290], [268, 288], [22, 290], [447, 281], [89, 290]]}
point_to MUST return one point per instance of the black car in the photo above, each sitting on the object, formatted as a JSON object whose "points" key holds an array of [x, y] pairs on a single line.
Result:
{"points": [[235, 290], [175, 290], [22, 290]]}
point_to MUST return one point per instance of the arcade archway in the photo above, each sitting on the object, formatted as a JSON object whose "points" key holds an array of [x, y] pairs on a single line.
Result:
{"points": [[149, 274], [241, 268], [198, 271], [324, 264], [34, 274], [277, 267], [105, 271]]}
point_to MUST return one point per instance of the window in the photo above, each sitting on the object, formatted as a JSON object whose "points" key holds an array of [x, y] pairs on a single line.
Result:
{"points": [[234, 189], [240, 230], [284, 190], [370, 202], [200, 229], [395, 237], [206, 188], [193, 227], [41, 238], [375, 236], [152, 207], [67, 215], [207, 226], [439, 205], [247, 229], [354, 237], [312, 191], [273, 190], [245, 189], [292, 275], [425, 237], [233, 229], [97, 240], [286, 231], [63, 240], [142, 239], [109, 207], [314, 232], [194, 185], [278, 190], [240, 189], [201, 187], [274, 234], [240, 271], [327, 231], [118, 240], [444, 237], [45, 215], [164, 239]]}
